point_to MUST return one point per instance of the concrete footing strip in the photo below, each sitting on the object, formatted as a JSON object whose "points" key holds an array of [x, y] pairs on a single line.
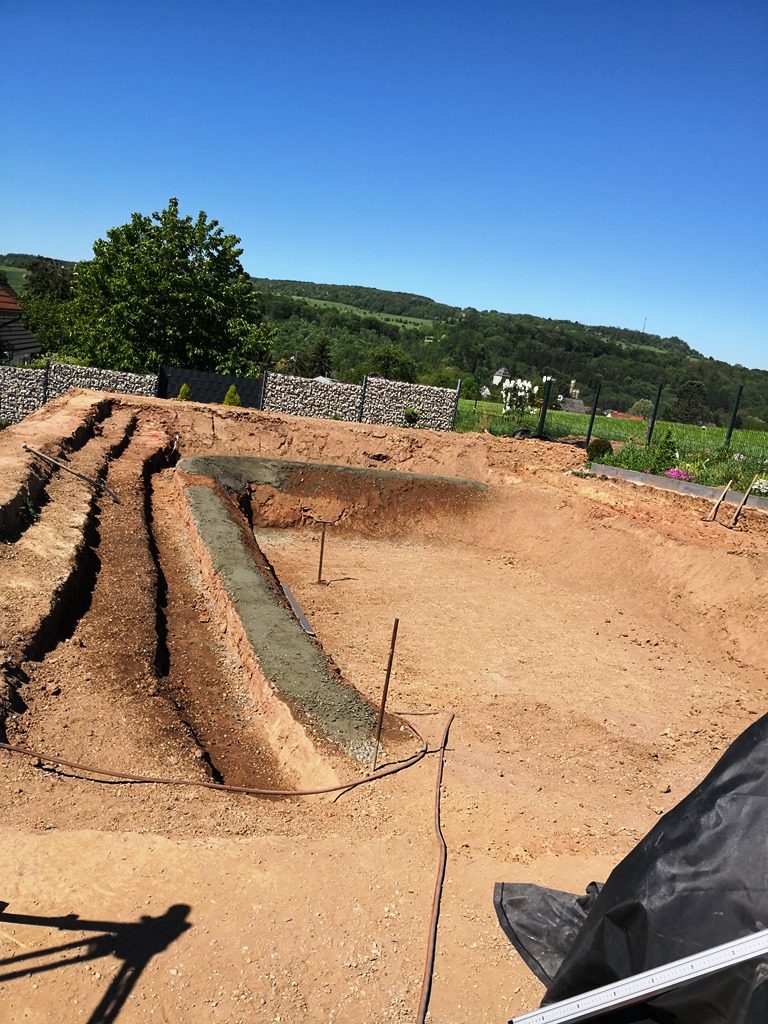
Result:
{"points": [[681, 486]]}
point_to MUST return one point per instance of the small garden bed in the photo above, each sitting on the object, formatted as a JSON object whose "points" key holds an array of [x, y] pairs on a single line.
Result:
{"points": [[668, 459], [673, 484]]}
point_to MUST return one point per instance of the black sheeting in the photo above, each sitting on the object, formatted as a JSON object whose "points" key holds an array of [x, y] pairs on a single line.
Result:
{"points": [[698, 879]]}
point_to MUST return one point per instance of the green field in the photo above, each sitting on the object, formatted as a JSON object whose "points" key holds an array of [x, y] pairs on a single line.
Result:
{"points": [[406, 321], [15, 276], [697, 451]]}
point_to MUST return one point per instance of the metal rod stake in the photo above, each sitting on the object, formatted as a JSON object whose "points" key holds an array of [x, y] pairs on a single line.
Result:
{"points": [[322, 550], [384, 694]]}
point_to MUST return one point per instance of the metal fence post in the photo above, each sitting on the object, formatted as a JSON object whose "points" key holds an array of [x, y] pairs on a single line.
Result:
{"points": [[654, 414], [264, 391], [734, 414], [544, 406], [363, 389], [456, 404], [592, 415], [46, 380]]}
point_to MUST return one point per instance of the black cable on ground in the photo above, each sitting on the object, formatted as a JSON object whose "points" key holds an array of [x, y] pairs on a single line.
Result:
{"points": [[429, 966], [382, 773], [392, 769]]}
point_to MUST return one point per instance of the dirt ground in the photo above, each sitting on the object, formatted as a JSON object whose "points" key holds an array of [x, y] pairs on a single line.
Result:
{"points": [[599, 644]]}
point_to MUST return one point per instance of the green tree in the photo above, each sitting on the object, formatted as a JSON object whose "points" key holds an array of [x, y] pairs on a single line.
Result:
{"points": [[691, 404], [165, 289], [320, 359], [250, 351], [391, 361], [642, 407], [48, 279], [184, 394], [232, 397], [46, 318], [45, 296]]}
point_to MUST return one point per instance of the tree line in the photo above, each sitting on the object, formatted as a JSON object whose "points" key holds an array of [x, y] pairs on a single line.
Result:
{"points": [[170, 289]]}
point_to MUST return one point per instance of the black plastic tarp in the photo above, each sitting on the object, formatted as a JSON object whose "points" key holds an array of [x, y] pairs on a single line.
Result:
{"points": [[697, 880]]}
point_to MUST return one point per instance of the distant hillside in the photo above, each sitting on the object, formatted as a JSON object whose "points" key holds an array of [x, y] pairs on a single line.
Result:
{"points": [[14, 275], [23, 259], [348, 330], [372, 300]]}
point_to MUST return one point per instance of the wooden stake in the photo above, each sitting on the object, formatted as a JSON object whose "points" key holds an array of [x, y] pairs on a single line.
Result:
{"points": [[742, 503], [710, 517]]}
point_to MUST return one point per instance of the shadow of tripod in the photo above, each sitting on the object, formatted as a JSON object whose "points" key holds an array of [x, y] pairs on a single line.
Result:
{"points": [[134, 944]]}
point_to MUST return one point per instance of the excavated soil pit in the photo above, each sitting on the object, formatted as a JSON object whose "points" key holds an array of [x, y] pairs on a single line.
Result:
{"points": [[310, 712], [371, 502], [599, 643]]}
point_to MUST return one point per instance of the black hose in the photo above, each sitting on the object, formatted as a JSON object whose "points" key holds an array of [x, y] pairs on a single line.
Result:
{"points": [[429, 966]]}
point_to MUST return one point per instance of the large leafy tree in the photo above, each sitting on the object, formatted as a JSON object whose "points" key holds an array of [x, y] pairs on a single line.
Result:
{"points": [[48, 279], [167, 289], [46, 294], [691, 404], [391, 361]]}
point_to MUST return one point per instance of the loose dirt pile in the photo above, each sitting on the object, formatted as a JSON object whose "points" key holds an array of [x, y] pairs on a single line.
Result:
{"points": [[599, 644]]}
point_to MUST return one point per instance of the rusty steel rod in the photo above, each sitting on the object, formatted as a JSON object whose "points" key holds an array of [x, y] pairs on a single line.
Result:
{"points": [[324, 523], [384, 694], [100, 485]]}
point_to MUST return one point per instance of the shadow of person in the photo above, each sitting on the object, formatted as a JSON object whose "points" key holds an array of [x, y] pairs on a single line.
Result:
{"points": [[134, 944]]}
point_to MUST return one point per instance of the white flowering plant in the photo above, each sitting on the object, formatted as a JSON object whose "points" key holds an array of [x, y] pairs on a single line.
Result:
{"points": [[518, 396]]}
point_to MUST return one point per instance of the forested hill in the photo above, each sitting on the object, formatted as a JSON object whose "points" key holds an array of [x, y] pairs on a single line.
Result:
{"points": [[472, 345], [346, 331], [372, 300]]}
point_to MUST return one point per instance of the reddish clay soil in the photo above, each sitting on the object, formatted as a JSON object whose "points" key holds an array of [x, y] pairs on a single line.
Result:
{"points": [[599, 644]]}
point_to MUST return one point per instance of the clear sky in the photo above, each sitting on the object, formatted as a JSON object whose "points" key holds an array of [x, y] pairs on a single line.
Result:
{"points": [[596, 160]]}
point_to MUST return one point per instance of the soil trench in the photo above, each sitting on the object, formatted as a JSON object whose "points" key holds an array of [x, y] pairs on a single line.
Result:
{"points": [[201, 675]]}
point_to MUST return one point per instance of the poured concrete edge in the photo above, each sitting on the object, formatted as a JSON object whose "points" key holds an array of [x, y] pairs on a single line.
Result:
{"points": [[682, 486], [293, 678], [237, 472]]}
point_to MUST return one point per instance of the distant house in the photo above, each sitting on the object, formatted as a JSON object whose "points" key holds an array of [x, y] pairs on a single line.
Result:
{"points": [[17, 345], [613, 414], [573, 405], [501, 374]]}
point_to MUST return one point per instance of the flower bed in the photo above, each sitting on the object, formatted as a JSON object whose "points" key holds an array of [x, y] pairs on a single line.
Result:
{"points": [[755, 500]]}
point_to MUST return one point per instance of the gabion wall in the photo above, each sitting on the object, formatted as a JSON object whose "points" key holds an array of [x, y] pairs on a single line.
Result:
{"points": [[62, 377], [21, 392], [386, 401], [376, 401], [302, 396]]}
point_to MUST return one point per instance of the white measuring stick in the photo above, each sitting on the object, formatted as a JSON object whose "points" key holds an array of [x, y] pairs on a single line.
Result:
{"points": [[641, 987]]}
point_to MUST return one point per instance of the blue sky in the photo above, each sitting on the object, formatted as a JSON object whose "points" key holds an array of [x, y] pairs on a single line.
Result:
{"points": [[596, 160]]}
